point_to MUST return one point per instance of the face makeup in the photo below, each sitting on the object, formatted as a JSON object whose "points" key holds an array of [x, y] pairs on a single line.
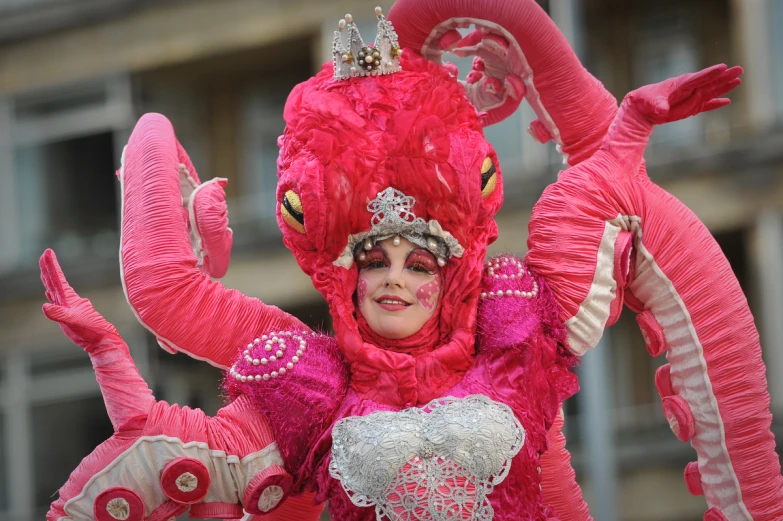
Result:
{"points": [[398, 287]]}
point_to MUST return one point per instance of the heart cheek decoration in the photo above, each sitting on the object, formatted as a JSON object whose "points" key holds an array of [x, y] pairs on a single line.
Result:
{"points": [[427, 294]]}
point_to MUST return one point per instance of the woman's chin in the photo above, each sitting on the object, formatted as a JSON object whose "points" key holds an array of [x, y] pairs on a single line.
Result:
{"points": [[395, 328]]}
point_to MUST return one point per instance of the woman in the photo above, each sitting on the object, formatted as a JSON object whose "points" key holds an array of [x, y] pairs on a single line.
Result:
{"points": [[438, 397]]}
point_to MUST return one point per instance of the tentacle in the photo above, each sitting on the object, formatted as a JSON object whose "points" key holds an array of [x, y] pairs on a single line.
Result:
{"points": [[558, 479], [125, 393], [185, 309], [689, 301], [519, 43]]}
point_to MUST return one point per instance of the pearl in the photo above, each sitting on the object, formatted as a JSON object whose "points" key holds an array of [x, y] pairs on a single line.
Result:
{"points": [[256, 361], [367, 244], [289, 365], [274, 374], [484, 294], [441, 261], [368, 59], [295, 359], [272, 358], [264, 337], [268, 347], [349, 18], [509, 293], [341, 24], [250, 346], [264, 361], [281, 372], [432, 244], [396, 240], [279, 354], [256, 341], [344, 57], [378, 11], [299, 353], [362, 256], [243, 378], [266, 377]]}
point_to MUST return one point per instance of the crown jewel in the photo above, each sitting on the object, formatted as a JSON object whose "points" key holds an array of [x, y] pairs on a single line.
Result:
{"points": [[359, 59]]}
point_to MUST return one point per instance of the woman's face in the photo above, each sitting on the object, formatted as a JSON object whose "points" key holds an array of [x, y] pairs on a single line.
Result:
{"points": [[398, 288]]}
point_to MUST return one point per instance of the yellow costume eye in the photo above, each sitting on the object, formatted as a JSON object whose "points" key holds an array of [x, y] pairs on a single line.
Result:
{"points": [[291, 210], [489, 178]]}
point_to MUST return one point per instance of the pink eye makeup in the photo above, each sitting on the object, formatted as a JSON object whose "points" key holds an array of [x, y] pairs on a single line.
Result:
{"points": [[422, 261]]}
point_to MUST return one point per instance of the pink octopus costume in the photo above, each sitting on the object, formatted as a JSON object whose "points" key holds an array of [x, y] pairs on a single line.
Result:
{"points": [[461, 420]]}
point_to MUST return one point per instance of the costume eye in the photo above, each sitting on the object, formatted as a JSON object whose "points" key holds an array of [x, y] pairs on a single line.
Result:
{"points": [[291, 210], [489, 177]]}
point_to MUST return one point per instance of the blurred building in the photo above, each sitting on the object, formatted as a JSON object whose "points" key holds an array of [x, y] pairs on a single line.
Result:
{"points": [[76, 74]]}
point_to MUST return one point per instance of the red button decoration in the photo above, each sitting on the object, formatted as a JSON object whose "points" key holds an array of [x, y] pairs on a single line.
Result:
{"points": [[663, 381], [693, 479], [118, 504], [652, 333], [267, 490], [185, 480], [679, 416]]}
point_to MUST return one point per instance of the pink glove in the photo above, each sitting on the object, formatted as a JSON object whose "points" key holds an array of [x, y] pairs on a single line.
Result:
{"points": [[182, 306], [604, 234], [162, 459]]}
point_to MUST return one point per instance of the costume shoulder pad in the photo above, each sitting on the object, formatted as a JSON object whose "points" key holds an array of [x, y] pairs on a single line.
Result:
{"points": [[298, 379], [514, 304]]}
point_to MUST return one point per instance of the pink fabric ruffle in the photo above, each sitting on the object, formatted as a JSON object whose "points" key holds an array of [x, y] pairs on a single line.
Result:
{"points": [[181, 305]]}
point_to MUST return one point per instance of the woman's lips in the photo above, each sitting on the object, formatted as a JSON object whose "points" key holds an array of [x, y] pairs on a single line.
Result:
{"points": [[391, 303]]}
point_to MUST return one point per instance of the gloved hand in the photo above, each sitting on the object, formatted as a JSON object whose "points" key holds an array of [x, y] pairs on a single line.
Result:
{"points": [[162, 459]]}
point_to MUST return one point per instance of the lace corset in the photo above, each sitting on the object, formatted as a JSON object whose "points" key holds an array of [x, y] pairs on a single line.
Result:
{"points": [[438, 462]]}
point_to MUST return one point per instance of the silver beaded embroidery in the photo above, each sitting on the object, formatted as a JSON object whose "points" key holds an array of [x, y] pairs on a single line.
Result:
{"points": [[393, 215], [437, 462]]}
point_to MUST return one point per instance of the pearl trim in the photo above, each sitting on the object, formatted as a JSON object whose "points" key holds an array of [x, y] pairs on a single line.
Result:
{"points": [[279, 342], [497, 264]]}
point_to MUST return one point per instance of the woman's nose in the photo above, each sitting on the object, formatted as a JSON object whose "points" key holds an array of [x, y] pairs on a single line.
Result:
{"points": [[394, 277]]}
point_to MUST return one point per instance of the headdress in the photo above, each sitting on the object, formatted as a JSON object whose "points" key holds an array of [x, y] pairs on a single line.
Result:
{"points": [[368, 155], [359, 59]]}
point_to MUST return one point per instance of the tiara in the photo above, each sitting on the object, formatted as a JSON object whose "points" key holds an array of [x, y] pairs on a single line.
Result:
{"points": [[365, 60]]}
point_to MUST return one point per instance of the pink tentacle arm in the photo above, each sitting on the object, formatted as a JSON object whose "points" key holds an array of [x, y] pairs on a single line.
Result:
{"points": [[604, 234], [171, 297], [522, 55], [558, 479], [162, 459], [125, 393]]}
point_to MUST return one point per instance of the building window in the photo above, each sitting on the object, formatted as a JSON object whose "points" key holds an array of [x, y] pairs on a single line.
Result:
{"points": [[66, 195], [81, 425], [664, 47]]}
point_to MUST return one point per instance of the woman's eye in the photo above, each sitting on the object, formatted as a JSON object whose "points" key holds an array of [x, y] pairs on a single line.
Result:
{"points": [[376, 263], [422, 266]]}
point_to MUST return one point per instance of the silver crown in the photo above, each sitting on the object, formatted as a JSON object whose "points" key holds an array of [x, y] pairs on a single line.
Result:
{"points": [[363, 60]]}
